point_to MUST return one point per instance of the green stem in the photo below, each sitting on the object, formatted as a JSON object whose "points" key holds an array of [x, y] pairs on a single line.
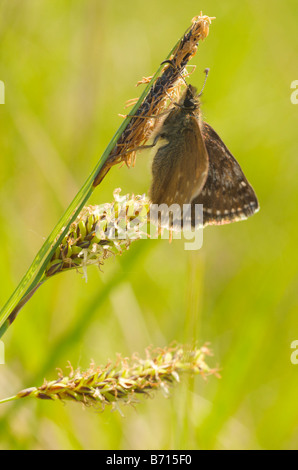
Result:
{"points": [[5, 400], [35, 274]]}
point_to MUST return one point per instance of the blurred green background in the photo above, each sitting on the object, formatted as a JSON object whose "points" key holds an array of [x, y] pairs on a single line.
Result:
{"points": [[68, 68]]}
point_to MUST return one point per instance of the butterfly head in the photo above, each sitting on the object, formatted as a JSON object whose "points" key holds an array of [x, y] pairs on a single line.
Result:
{"points": [[189, 101], [190, 98]]}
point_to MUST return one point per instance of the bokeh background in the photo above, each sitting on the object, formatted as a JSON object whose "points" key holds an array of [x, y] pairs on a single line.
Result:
{"points": [[68, 69]]}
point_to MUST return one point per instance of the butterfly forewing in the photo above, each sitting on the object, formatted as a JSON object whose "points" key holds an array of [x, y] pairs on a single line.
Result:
{"points": [[180, 167]]}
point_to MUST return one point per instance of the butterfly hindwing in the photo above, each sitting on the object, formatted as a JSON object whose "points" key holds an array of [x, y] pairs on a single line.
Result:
{"points": [[226, 196]]}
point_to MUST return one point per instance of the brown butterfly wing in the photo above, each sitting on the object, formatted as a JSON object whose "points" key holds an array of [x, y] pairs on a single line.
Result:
{"points": [[226, 196], [180, 167]]}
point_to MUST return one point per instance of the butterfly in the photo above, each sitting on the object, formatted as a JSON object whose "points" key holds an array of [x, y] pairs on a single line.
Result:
{"points": [[193, 166]]}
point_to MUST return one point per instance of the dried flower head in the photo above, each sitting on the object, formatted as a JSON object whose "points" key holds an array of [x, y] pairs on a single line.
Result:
{"points": [[140, 127]]}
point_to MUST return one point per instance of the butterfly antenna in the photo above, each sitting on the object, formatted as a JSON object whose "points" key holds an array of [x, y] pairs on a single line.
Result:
{"points": [[206, 71]]}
